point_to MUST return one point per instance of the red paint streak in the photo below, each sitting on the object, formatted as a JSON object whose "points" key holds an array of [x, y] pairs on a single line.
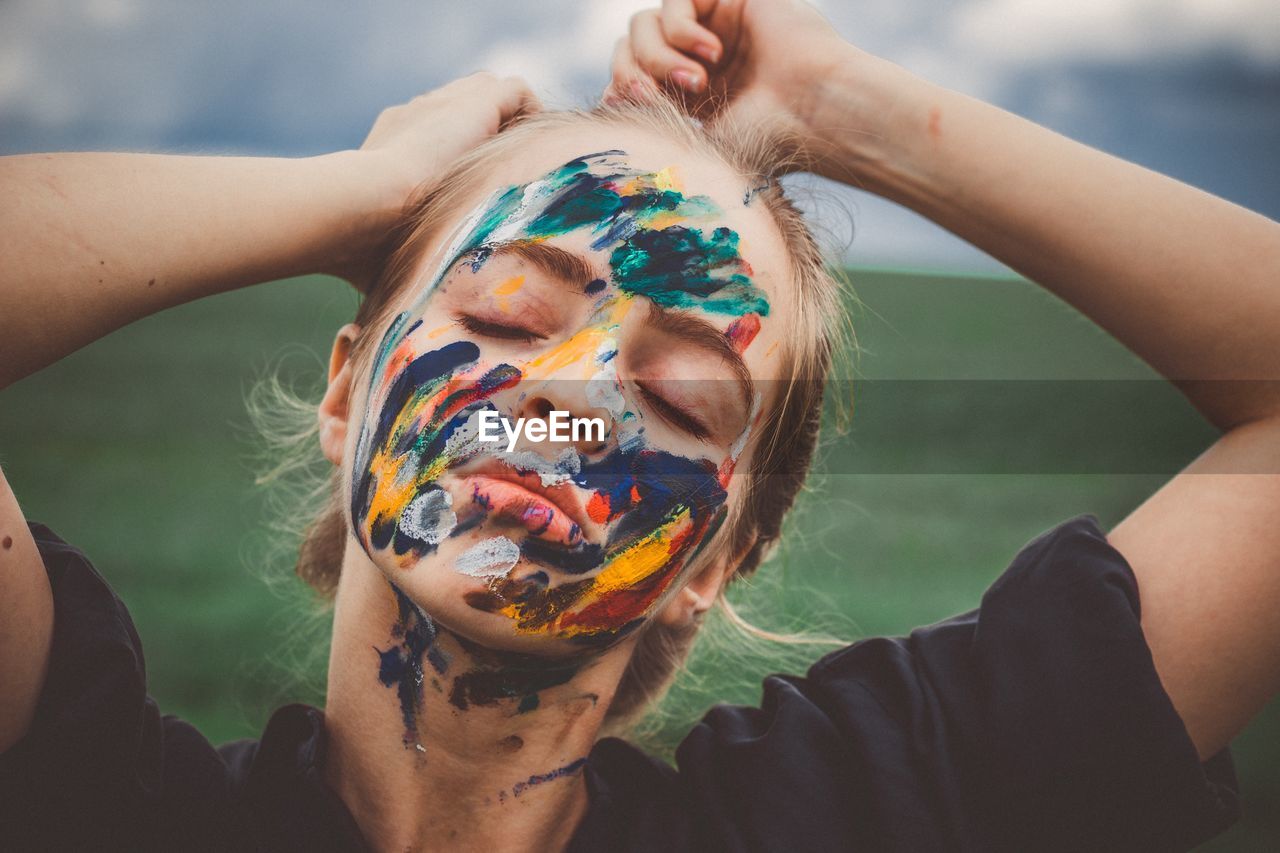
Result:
{"points": [[742, 332], [622, 606]]}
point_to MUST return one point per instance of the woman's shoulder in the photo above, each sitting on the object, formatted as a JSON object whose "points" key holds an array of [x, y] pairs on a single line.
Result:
{"points": [[135, 778], [1033, 721]]}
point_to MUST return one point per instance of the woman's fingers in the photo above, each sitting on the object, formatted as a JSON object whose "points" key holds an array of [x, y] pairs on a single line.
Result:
{"points": [[510, 96], [515, 99], [658, 59], [622, 69], [680, 26]]}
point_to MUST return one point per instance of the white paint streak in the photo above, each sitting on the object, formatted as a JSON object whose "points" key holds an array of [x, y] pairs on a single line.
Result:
{"points": [[490, 558], [428, 517], [552, 472]]}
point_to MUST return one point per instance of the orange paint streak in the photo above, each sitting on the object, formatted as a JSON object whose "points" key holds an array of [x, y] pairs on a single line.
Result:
{"points": [[598, 508]]}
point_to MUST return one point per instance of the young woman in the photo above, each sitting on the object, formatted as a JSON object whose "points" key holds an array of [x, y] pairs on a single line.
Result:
{"points": [[499, 607]]}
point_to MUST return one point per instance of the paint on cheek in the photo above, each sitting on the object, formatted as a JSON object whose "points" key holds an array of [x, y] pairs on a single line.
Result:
{"points": [[429, 517], [490, 558], [425, 425]]}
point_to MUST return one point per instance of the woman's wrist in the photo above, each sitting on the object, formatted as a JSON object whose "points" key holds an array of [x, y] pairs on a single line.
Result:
{"points": [[869, 120], [368, 199]]}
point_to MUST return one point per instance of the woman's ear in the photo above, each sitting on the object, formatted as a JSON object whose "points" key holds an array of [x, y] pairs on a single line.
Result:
{"points": [[335, 407], [693, 601]]}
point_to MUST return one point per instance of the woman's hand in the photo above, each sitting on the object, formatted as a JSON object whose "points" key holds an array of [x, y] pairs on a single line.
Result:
{"points": [[92, 242], [413, 143], [755, 63]]}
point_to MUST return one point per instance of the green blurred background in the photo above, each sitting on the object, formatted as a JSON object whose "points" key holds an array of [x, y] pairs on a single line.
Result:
{"points": [[139, 450]]}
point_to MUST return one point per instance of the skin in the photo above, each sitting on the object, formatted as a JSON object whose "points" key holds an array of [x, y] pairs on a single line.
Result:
{"points": [[1185, 279], [450, 773]]}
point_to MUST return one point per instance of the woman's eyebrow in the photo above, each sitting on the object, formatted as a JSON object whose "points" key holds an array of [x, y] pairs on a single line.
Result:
{"points": [[698, 332], [562, 265]]}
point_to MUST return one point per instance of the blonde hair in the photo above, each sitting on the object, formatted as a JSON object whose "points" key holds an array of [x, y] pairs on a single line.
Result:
{"points": [[787, 436]]}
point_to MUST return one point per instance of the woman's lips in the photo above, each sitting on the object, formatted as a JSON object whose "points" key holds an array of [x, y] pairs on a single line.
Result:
{"points": [[509, 500]]}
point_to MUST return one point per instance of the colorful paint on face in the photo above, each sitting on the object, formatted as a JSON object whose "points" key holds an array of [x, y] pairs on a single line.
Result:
{"points": [[655, 506]]}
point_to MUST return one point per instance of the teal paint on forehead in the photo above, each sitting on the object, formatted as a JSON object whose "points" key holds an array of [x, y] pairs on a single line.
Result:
{"points": [[677, 265], [685, 268]]}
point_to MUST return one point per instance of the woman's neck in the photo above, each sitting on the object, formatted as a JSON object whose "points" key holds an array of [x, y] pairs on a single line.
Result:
{"points": [[435, 743]]}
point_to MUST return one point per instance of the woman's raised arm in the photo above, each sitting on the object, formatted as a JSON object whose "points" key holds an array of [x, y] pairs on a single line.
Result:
{"points": [[1190, 282], [92, 242]]}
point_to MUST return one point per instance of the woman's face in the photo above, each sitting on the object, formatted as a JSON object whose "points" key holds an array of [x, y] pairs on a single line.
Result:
{"points": [[631, 292]]}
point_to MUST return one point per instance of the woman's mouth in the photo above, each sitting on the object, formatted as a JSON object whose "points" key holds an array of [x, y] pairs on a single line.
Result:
{"points": [[508, 500], [553, 516]]}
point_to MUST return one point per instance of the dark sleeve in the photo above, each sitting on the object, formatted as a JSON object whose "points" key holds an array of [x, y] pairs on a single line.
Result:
{"points": [[1035, 722], [101, 768]]}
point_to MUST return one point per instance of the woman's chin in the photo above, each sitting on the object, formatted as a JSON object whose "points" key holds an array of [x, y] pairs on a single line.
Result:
{"points": [[488, 611]]}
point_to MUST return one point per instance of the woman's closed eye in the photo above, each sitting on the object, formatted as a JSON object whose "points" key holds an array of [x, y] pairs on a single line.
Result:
{"points": [[674, 414], [502, 331]]}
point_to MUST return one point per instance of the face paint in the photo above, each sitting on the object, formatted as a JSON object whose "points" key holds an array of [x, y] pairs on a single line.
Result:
{"points": [[401, 665], [743, 331], [654, 506]]}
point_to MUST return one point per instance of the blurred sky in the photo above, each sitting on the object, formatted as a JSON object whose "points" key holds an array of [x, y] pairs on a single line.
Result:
{"points": [[1188, 87]]}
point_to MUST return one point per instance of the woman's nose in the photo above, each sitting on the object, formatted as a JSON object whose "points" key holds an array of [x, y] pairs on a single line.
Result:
{"points": [[569, 419]]}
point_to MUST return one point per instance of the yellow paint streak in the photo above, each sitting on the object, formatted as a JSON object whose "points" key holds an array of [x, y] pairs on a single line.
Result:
{"points": [[666, 179], [578, 349], [639, 562], [440, 330], [509, 286], [395, 487], [505, 289], [581, 348], [663, 219]]}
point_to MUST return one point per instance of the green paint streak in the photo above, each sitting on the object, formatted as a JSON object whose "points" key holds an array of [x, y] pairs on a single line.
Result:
{"points": [[684, 268]]}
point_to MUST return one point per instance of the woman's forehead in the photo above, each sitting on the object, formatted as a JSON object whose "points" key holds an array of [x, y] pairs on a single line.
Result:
{"points": [[656, 221]]}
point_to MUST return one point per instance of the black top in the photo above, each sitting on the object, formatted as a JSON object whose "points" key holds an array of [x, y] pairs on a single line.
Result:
{"points": [[1034, 723]]}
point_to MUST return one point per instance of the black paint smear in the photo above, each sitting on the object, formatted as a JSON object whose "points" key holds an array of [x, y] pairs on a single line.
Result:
{"points": [[507, 675], [401, 667], [574, 560]]}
